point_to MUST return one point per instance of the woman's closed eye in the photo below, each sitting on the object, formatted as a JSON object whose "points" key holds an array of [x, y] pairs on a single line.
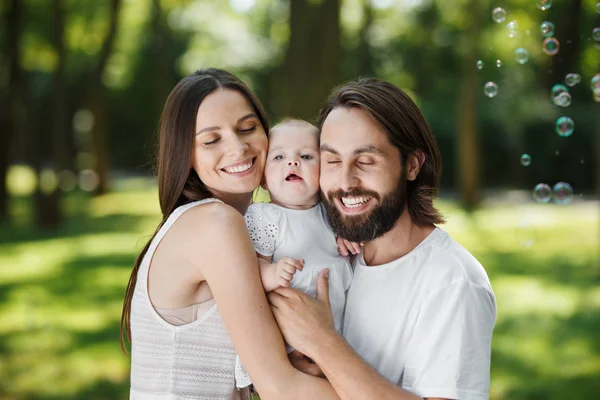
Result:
{"points": [[211, 142], [247, 130]]}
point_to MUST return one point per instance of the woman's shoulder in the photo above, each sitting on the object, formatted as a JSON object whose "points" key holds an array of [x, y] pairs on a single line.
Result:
{"points": [[210, 213]]}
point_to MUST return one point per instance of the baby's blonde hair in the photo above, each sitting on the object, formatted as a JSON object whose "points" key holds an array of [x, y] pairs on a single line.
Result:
{"points": [[295, 123]]}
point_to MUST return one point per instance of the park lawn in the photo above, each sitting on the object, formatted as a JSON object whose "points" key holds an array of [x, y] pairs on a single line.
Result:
{"points": [[61, 295]]}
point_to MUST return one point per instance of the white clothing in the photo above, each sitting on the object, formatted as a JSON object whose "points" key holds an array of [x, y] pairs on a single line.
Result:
{"points": [[282, 232], [191, 361], [425, 320]]}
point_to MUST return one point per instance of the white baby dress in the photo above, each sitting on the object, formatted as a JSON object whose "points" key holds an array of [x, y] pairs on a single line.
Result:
{"points": [[282, 232]]}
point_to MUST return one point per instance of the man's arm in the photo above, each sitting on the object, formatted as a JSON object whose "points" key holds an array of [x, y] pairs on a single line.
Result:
{"points": [[307, 324]]}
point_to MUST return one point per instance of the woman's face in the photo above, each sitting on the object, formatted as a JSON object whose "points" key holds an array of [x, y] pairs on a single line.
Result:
{"points": [[231, 144]]}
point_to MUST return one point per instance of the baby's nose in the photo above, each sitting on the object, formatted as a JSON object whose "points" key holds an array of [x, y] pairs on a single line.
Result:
{"points": [[294, 163]]}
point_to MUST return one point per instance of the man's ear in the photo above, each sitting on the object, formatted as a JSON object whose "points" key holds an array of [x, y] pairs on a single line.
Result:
{"points": [[414, 163]]}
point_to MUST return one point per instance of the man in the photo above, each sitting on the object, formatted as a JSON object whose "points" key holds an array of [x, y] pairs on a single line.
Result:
{"points": [[420, 311]]}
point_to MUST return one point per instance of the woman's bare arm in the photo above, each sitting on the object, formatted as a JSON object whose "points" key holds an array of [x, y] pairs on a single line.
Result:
{"points": [[218, 244]]}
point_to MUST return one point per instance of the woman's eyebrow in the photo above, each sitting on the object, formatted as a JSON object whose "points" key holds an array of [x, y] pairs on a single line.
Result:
{"points": [[245, 117], [216, 128]]}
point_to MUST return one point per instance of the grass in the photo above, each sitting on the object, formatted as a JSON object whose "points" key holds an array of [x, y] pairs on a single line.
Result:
{"points": [[61, 295]]}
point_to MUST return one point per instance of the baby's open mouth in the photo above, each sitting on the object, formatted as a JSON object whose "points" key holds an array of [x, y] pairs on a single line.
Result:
{"points": [[293, 177]]}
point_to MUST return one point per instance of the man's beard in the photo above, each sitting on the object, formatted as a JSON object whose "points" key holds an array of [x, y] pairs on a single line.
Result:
{"points": [[370, 225]]}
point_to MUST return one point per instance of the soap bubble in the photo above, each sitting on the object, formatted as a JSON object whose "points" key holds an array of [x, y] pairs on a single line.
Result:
{"points": [[551, 46], [572, 79], [490, 89], [498, 14], [542, 193], [598, 8], [597, 95], [562, 193], [563, 99], [521, 55], [498, 63], [596, 34], [480, 65], [525, 160], [512, 28], [544, 4], [547, 29], [555, 93], [565, 126], [595, 82]]}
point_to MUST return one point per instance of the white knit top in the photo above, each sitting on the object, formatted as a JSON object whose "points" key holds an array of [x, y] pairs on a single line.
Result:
{"points": [[191, 361]]}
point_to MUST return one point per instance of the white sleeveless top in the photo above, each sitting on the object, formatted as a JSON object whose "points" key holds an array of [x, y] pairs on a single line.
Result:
{"points": [[191, 361]]}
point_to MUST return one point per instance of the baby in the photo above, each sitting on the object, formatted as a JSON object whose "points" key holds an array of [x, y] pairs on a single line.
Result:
{"points": [[291, 235]]}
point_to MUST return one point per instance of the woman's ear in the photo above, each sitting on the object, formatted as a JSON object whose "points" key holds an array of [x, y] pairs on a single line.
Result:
{"points": [[414, 163]]}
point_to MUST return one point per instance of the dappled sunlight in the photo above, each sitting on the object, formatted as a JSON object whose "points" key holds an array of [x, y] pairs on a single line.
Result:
{"points": [[62, 295]]}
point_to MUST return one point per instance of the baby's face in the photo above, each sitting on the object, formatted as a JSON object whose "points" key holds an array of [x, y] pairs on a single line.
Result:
{"points": [[292, 169]]}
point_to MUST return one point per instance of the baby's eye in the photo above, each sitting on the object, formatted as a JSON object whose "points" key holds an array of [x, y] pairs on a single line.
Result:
{"points": [[278, 157], [307, 157]]}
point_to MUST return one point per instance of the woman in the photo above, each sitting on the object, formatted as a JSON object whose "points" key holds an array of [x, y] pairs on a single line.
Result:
{"points": [[194, 297]]}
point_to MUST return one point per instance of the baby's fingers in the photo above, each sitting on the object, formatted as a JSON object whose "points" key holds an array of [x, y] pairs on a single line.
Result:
{"points": [[342, 249], [283, 282], [352, 247], [356, 247], [286, 275], [291, 268], [295, 264]]}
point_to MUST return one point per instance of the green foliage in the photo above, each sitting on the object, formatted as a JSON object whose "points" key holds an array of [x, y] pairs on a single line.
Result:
{"points": [[61, 295]]}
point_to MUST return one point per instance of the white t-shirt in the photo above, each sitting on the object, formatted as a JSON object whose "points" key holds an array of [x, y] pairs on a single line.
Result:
{"points": [[425, 320]]}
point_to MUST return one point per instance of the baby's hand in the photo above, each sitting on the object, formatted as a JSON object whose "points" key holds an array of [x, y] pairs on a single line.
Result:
{"points": [[346, 247], [280, 273]]}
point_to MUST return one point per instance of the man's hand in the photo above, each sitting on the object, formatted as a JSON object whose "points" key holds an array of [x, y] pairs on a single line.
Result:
{"points": [[305, 364], [304, 322], [279, 274]]}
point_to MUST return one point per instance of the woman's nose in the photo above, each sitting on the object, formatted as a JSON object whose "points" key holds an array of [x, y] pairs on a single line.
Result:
{"points": [[237, 147]]}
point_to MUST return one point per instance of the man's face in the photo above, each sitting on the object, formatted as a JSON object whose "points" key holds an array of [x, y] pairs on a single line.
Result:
{"points": [[362, 181]]}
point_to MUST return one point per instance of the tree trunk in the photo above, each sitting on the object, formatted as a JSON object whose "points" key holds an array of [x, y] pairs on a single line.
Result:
{"points": [[98, 102], [364, 54], [48, 199], [468, 135], [11, 101], [570, 26], [313, 58]]}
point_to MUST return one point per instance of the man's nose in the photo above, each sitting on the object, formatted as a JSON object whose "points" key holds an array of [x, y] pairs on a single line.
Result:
{"points": [[348, 180]]}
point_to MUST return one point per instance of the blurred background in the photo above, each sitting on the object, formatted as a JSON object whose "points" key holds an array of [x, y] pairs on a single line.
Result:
{"points": [[82, 85]]}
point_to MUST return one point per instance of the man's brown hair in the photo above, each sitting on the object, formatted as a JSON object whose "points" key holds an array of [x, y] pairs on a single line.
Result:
{"points": [[406, 128]]}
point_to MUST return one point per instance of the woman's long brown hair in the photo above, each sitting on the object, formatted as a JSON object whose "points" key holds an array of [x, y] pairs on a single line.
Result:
{"points": [[178, 183]]}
